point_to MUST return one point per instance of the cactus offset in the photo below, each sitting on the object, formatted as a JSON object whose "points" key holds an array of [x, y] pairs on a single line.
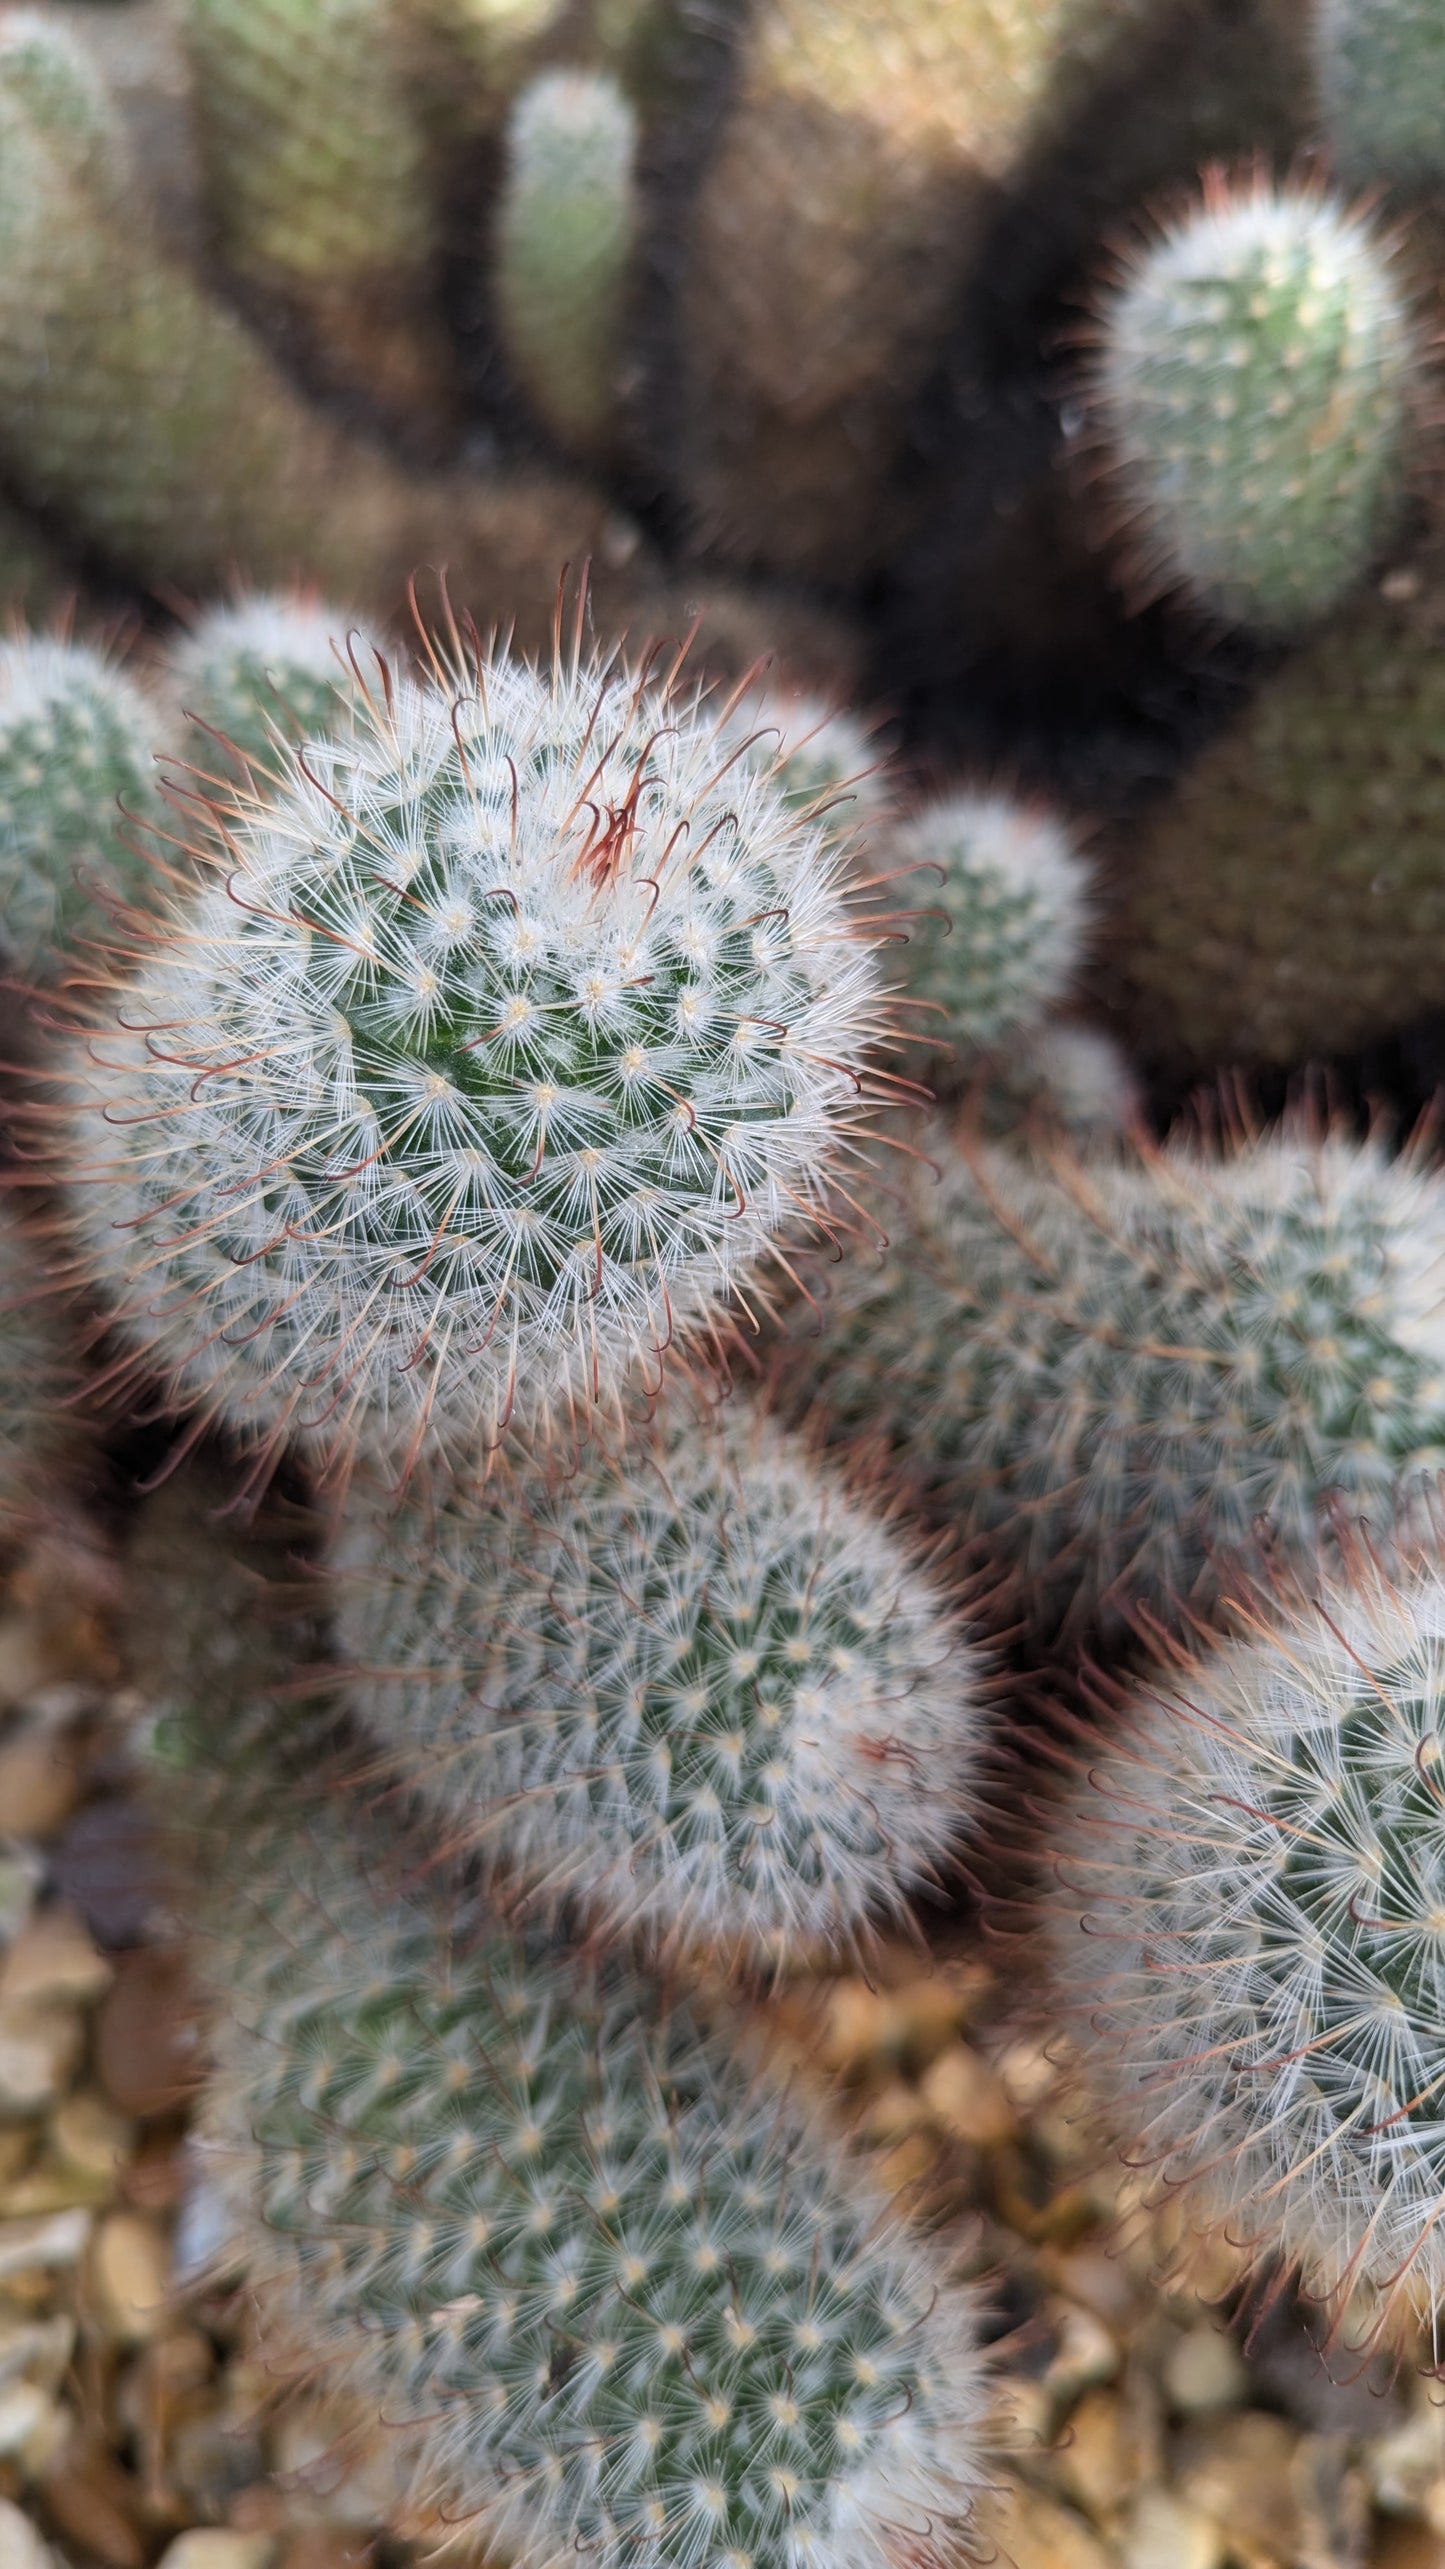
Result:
{"points": [[1002, 936], [77, 773], [699, 1690], [1108, 1373], [1246, 1936], [37, 1379], [1380, 66], [1253, 384], [565, 232], [517, 1025], [265, 671]]}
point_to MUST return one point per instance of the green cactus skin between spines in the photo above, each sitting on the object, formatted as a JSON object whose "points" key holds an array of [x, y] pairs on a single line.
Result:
{"points": [[697, 1689], [1004, 906], [1253, 383], [1110, 1374], [1245, 1938]]}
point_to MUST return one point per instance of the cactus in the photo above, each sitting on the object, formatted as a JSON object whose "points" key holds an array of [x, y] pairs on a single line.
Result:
{"points": [[76, 777], [1253, 385], [49, 74], [151, 423], [1001, 939], [264, 671], [1286, 901], [565, 232], [703, 1692], [1108, 1374], [37, 1379], [614, 2293], [822, 758], [1245, 1936], [315, 175], [516, 1026], [1380, 67], [1066, 1077]]}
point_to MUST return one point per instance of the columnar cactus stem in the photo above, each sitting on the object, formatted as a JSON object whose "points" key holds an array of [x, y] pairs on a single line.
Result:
{"points": [[565, 233]]}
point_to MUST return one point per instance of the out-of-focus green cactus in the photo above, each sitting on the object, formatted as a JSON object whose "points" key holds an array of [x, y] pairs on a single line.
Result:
{"points": [[1380, 66], [77, 774], [1253, 383], [265, 671], [1003, 902], [566, 229], [316, 180], [1288, 900]]}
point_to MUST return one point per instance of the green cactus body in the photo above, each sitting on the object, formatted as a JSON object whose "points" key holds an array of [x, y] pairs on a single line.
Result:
{"points": [[1062, 1077], [1380, 66], [316, 177], [36, 1379], [1287, 900], [614, 2293], [1003, 934], [1253, 383], [529, 1022], [1110, 1375], [699, 1689], [268, 671], [77, 774], [821, 757], [1245, 1935], [52, 75], [565, 232]]}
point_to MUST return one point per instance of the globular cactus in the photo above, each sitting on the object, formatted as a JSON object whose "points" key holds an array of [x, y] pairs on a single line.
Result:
{"points": [[1252, 385], [150, 422], [1112, 1374], [1003, 902], [700, 1691], [1062, 1077], [1245, 1936], [77, 780], [518, 1024], [264, 671], [315, 174], [613, 2291], [38, 1380], [566, 228], [1286, 902], [821, 756], [1380, 67]]}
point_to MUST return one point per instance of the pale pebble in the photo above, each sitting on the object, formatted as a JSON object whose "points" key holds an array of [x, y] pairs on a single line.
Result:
{"points": [[22, 2545], [53, 1957], [218, 2547], [40, 2048], [130, 2275], [31, 2247], [1162, 2532], [1204, 2373]]}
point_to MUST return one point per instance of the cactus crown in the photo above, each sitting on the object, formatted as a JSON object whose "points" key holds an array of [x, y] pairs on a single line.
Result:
{"points": [[704, 1692], [565, 232], [1253, 380], [1111, 1373], [522, 1022], [1247, 1930], [76, 759], [267, 670], [623, 2297], [1380, 66], [1002, 937]]}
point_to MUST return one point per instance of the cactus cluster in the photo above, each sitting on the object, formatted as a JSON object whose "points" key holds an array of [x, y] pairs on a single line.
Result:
{"points": [[475, 1084]]}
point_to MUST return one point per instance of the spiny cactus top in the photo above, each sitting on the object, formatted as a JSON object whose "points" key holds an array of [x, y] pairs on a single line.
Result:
{"points": [[1247, 1933], [1003, 902], [521, 1023], [699, 1691], [265, 670], [77, 773], [565, 231], [1112, 1371], [1253, 380], [614, 2294], [1381, 71]]}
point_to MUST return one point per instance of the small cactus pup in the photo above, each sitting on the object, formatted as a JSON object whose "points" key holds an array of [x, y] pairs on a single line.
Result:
{"points": [[1110, 1373], [1380, 69], [615, 2294], [1066, 1077], [822, 756], [37, 1379], [700, 1691], [516, 1028], [1245, 1938], [1253, 387], [77, 776], [268, 669], [566, 228], [314, 169], [999, 941]]}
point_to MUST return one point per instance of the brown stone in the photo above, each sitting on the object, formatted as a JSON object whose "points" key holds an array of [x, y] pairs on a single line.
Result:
{"points": [[94, 2503], [1240, 2471], [968, 2098], [1030, 2532], [40, 1783], [147, 2051], [53, 1957], [1401, 2545]]}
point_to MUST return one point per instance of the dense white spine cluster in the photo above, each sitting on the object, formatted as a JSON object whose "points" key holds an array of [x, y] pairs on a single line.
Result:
{"points": [[1001, 937], [77, 778], [702, 1692], [1248, 1934], [1253, 382], [513, 1029]]}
